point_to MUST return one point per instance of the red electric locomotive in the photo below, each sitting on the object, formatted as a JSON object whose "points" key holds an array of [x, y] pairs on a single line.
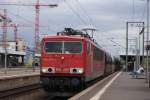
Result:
{"points": [[70, 60]]}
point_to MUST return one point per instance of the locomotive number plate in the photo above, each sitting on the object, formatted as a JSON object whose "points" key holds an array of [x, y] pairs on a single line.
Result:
{"points": [[62, 70]]}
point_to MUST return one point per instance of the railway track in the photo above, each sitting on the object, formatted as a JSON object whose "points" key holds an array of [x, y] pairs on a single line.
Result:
{"points": [[19, 90], [93, 88], [30, 92]]}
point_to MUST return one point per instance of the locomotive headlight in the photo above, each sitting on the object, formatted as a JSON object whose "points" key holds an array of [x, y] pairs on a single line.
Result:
{"points": [[76, 70], [44, 70], [80, 70], [48, 70]]}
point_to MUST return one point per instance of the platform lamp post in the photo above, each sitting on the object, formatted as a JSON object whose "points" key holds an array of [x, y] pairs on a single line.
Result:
{"points": [[4, 44], [148, 43], [5, 38], [5, 20], [127, 24]]}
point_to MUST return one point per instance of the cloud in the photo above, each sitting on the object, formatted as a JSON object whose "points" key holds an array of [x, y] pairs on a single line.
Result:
{"points": [[107, 16]]}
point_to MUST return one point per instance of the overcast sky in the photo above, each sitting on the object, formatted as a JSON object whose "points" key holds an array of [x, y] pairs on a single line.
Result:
{"points": [[107, 16]]}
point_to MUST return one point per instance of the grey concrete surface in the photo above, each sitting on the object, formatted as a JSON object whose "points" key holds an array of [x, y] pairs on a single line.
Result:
{"points": [[13, 72], [92, 90], [18, 77], [127, 88]]}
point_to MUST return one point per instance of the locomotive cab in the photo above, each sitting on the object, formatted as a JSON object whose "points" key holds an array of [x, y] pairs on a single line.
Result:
{"points": [[62, 62], [70, 60]]}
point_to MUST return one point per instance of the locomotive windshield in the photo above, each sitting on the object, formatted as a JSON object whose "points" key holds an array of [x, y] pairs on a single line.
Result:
{"points": [[72, 47], [53, 47], [63, 47]]}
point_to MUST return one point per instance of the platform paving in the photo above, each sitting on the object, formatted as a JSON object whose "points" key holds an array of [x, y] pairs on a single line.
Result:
{"points": [[127, 88], [14, 72]]}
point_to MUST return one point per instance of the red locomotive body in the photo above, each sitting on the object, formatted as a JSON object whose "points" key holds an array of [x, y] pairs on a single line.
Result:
{"points": [[69, 62]]}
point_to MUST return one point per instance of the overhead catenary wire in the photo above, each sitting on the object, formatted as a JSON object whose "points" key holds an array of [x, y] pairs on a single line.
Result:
{"points": [[89, 18], [21, 17], [49, 20], [111, 41], [133, 9], [75, 12], [85, 11], [29, 21], [143, 13], [80, 18]]}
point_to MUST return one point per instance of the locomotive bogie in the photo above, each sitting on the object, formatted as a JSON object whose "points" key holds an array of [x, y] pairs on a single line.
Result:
{"points": [[58, 83]]}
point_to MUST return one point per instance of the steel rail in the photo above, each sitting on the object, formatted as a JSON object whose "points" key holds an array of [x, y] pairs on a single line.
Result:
{"points": [[19, 90]]}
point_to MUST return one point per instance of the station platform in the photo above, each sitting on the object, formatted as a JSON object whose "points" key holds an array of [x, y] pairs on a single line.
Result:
{"points": [[18, 77], [18, 72], [127, 88], [120, 86]]}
